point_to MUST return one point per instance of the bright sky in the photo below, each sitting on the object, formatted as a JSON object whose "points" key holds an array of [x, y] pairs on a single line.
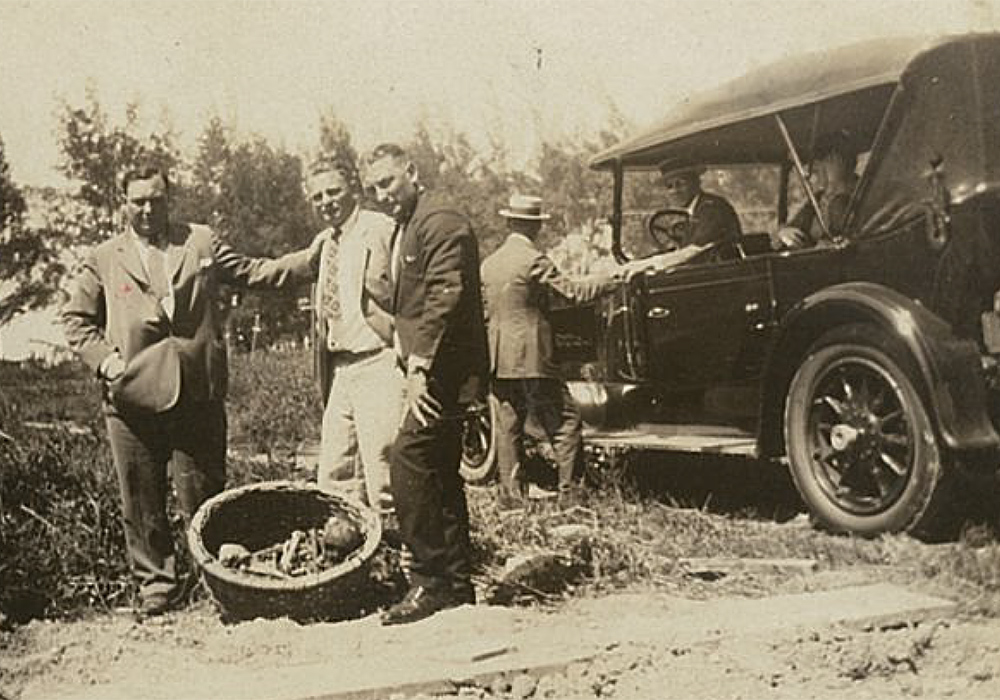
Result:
{"points": [[520, 69]]}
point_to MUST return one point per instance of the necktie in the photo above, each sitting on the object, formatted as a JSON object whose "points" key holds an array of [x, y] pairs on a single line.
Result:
{"points": [[394, 253], [157, 273], [330, 290]]}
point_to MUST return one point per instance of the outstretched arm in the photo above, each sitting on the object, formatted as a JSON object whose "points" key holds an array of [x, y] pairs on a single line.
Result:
{"points": [[246, 271], [545, 274]]}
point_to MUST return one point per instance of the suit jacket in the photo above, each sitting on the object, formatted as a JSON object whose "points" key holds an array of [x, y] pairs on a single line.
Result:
{"points": [[111, 308], [519, 282], [376, 292], [438, 301], [714, 220], [834, 209]]}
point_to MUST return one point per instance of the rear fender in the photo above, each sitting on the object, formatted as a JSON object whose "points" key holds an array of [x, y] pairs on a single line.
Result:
{"points": [[950, 368]]}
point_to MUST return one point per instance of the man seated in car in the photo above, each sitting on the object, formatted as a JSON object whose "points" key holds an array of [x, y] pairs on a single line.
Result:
{"points": [[711, 219], [833, 182]]}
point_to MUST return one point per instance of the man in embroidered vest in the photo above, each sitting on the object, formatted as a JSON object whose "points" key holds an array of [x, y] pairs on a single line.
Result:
{"points": [[354, 314], [143, 314]]}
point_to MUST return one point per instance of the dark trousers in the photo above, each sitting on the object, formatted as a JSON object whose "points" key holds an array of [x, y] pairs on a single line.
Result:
{"points": [[189, 441], [548, 404], [430, 495]]}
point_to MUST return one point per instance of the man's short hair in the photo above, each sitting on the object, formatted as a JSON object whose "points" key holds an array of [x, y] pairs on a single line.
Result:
{"points": [[327, 163], [144, 171], [389, 150], [837, 143]]}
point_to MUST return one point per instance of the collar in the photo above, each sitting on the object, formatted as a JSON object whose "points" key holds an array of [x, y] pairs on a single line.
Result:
{"points": [[515, 235], [694, 204], [408, 216], [349, 223], [160, 243]]}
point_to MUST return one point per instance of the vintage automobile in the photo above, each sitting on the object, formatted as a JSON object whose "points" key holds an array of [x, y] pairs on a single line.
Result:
{"points": [[868, 363]]}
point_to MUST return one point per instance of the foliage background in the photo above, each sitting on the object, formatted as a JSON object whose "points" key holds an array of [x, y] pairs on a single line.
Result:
{"points": [[251, 192]]}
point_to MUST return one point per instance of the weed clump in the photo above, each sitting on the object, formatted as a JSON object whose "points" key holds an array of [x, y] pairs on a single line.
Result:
{"points": [[61, 540]]}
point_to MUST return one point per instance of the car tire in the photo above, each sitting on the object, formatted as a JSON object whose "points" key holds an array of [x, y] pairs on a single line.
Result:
{"points": [[861, 444], [479, 445]]}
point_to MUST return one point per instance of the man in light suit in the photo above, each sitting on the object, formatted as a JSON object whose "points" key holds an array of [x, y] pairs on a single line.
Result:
{"points": [[143, 315], [519, 282], [442, 343], [355, 337]]}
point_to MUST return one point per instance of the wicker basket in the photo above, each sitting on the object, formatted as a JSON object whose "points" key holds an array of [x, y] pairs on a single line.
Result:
{"points": [[264, 514]]}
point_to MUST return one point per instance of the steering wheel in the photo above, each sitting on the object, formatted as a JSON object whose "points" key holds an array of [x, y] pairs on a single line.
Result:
{"points": [[669, 227]]}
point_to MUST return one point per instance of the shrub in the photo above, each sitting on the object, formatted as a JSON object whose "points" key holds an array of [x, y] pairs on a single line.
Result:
{"points": [[273, 402], [62, 547], [60, 529]]}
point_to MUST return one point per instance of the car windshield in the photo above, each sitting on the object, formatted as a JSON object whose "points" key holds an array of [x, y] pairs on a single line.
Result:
{"points": [[752, 190]]}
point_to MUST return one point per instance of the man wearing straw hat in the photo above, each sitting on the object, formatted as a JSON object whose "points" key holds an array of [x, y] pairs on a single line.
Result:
{"points": [[519, 282]]}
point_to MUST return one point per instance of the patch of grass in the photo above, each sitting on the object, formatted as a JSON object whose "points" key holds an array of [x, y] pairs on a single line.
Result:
{"points": [[638, 539], [62, 550], [60, 529], [274, 402]]}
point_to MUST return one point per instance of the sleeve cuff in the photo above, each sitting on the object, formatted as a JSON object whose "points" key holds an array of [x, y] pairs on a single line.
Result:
{"points": [[102, 369], [416, 363]]}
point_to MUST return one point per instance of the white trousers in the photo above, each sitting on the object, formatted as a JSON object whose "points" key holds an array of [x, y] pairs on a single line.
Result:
{"points": [[360, 423]]}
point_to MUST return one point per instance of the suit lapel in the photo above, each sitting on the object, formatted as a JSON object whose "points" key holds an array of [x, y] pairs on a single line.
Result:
{"points": [[177, 251], [405, 233], [128, 257]]}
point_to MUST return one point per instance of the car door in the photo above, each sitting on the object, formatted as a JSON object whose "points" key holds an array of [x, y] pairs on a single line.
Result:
{"points": [[706, 324]]}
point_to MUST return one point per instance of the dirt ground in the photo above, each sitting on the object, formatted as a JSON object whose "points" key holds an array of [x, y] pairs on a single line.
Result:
{"points": [[954, 656]]}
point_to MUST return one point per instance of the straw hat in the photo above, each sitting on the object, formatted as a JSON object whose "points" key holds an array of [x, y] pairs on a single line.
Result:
{"points": [[522, 206]]}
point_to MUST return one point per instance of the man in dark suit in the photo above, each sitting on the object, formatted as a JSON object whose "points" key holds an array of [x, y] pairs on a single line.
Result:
{"points": [[711, 219], [519, 282], [442, 343], [143, 315]]}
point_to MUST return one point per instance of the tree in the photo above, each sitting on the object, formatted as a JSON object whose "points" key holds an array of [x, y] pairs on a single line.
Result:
{"points": [[252, 195], [478, 184], [96, 153], [335, 139], [28, 265], [201, 200]]}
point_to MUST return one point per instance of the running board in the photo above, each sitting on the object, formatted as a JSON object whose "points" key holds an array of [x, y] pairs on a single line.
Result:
{"points": [[709, 439]]}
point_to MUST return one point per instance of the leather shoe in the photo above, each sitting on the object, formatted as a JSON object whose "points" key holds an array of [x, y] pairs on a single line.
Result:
{"points": [[512, 497], [420, 602], [464, 593], [154, 604]]}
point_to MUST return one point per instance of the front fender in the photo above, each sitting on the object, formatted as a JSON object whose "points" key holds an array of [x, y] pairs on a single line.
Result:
{"points": [[950, 367]]}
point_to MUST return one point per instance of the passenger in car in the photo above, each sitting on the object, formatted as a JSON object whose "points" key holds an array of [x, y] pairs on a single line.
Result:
{"points": [[833, 170], [712, 219]]}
